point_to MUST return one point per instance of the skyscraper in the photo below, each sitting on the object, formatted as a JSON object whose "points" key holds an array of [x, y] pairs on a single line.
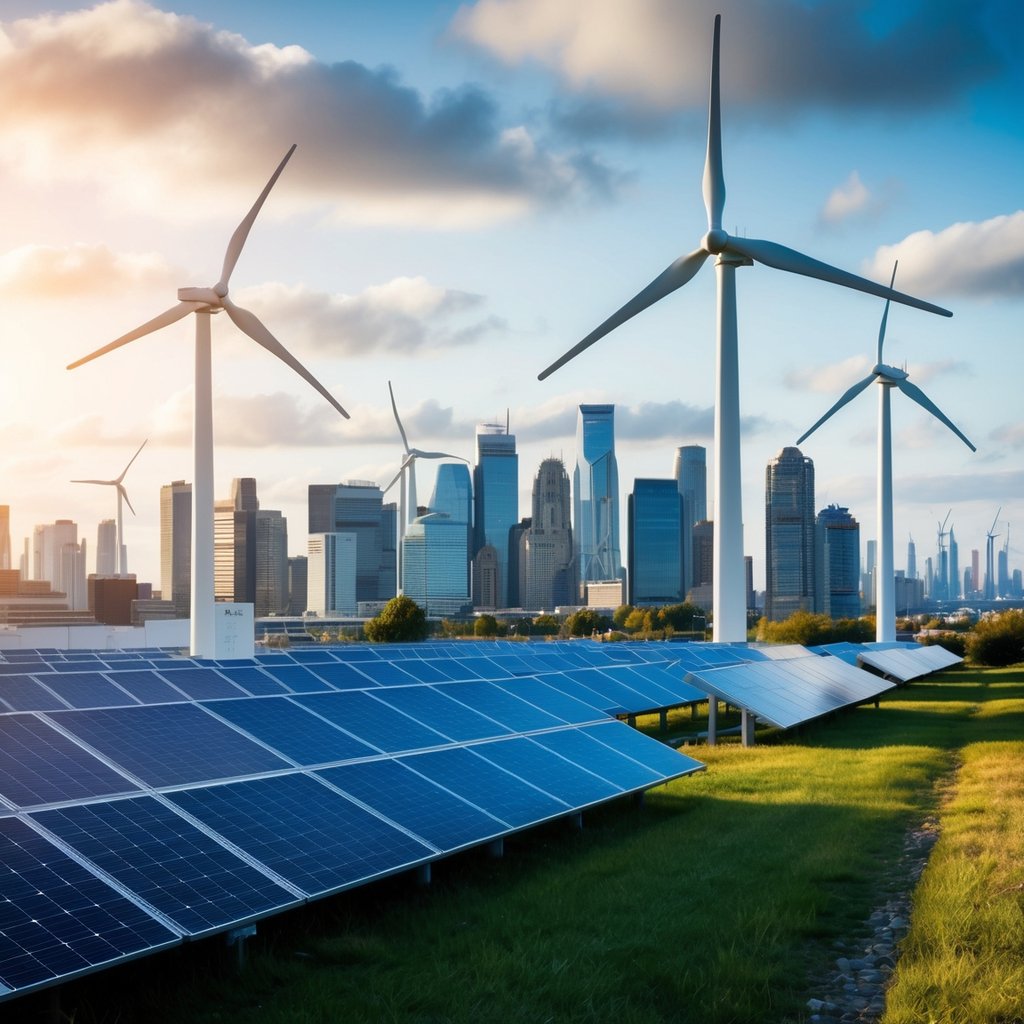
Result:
{"points": [[975, 571], [546, 560], [789, 534], [332, 573], [495, 498], [837, 540], [357, 507], [5, 537], [954, 567], [106, 548], [596, 496], [911, 560], [298, 582], [434, 560], [59, 558], [701, 593], [176, 546], [691, 475], [271, 577], [453, 496], [655, 543]]}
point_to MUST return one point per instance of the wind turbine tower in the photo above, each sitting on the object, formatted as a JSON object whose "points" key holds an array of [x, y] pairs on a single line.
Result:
{"points": [[990, 568], [122, 497], [941, 591], [205, 302], [887, 378], [730, 252]]}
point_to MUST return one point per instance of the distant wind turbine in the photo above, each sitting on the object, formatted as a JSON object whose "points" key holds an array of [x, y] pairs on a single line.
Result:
{"points": [[888, 377], [122, 498], [729, 601], [990, 562], [204, 302], [407, 476]]}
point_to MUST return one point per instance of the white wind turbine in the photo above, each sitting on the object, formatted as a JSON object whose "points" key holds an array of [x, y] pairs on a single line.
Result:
{"points": [[729, 603], [122, 497], [887, 377], [204, 302], [406, 477]]}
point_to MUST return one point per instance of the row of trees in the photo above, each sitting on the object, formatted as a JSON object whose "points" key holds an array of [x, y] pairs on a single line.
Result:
{"points": [[995, 640]]}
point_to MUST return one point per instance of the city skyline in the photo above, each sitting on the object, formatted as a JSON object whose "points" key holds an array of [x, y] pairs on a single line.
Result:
{"points": [[436, 274]]}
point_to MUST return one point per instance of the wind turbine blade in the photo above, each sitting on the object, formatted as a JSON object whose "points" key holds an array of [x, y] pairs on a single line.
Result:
{"points": [[105, 482], [129, 466], [398, 419], [672, 277], [237, 242], [850, 395], [398, 476], [714, 176], [250, 324], [166, 318], [771, 254], [885, 315], [914, 392], [124, 494], [420, 454]]}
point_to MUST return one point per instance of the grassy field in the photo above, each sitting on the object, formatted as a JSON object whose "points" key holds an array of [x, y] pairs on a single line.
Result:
{"points": [[713, 903]]}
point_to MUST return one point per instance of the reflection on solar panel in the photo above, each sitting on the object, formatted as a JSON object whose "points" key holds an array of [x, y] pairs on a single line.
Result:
{"points": [[147, 797]]}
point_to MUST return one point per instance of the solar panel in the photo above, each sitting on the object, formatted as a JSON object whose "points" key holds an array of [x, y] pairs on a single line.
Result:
{"points": [[201, 683], [23, 693], [580, 747], [502, 706], [297, 678], [146, 686], [169, 863], [424, 808], [253, 681], [169, 744], [482, 783], [304, 831], [38, 765], [290, 729], [342, 677], [441, 713], [57, 919]]}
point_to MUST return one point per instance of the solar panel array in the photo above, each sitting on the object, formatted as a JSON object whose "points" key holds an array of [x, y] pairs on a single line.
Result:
{"points": [[787, 692], [147, 799], [902, 662]]}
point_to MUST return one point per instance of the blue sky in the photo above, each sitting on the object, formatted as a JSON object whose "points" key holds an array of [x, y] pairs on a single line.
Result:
{"points": [[476, 187]]}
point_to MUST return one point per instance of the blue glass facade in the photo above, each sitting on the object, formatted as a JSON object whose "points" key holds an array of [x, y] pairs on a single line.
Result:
{"points": [[596, 496], [434, 560], [453, 496], [655, 543], [495, 497], [789, 535], [838, 557]]}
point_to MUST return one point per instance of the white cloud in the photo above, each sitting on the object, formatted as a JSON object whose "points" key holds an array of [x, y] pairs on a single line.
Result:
{"points": [[977, 259], [833, 378], [846, 200], [167, 112], [44, 271]]}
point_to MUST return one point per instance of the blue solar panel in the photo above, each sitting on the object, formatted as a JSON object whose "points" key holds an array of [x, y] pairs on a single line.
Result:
{"points": [[373, 721], [548, 771], [387, 674], [481, 668], [583, 749], [621, 738], [201, 683], [355, 652], [14, 666], [313, 656], [292, 730], [169, 744], [454, 668], [88, 690], [156, 854], [22, 693], [436, 711], [501, 705], [146, 686], [491, 788], [342, 677], [253, 681], [425, 671], [38, 765], [309, 834], [552, 700], [415, 803], [57, 919], [298, 679]]}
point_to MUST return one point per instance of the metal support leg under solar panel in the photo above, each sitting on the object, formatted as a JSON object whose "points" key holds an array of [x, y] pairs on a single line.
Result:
{"points": [[747, 723], [712, 721], [236, 937]]}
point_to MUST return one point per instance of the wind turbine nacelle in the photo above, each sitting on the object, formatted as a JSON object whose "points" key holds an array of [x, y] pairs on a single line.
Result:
{"points": [[207, 295], [890, 371]]}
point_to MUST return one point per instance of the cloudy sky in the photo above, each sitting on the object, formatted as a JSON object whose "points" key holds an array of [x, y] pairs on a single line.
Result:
{"points": [[477, 186]]}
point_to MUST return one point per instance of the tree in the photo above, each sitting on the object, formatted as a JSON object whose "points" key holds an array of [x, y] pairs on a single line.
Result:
{"points": [[401, 620], [620, 616], [485, 625], [680, 616], [586, 621], [634, 621], [546, 625], [809, 629], [998, 639]]}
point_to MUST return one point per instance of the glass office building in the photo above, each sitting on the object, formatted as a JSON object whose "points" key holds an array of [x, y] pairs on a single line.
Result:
{"points": [[453, 496], [434, 560], [596, 496], [789, 535], [655, 543], [837, 539], [495, 497]]}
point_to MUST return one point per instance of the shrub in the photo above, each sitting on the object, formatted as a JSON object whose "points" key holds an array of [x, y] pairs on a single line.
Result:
{"points": [[401, 620], [955, 643], [998, 640], [485, 625]]}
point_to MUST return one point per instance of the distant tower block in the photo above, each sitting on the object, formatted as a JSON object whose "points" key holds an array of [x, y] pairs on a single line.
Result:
{"points": [[789, 535], [596, 496]]}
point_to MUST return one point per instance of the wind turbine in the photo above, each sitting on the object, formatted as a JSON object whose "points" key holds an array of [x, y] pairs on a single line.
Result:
{"points": [[942, 574], [729, 603], [887, 377], [122, 496], [204, 302], [407, 476], [990, 567]]}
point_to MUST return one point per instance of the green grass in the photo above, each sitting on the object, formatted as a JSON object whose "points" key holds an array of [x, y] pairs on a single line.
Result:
{"points": [[713, 903]]}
